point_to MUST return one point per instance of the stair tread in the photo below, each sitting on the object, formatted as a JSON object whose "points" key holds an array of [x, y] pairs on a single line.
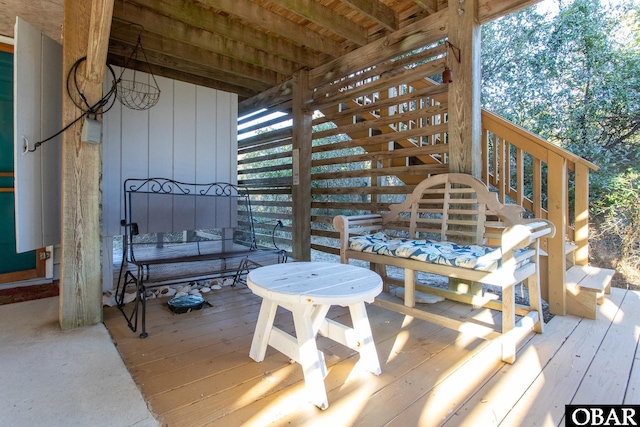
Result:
{"points": [[589, 278], [569, 247]]}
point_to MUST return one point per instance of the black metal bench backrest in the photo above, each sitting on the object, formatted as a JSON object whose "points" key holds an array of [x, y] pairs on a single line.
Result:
{"points": [[162, 212]]}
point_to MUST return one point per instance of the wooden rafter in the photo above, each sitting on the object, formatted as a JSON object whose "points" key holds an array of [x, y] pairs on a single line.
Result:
{"points": [[430, 5], [377, 11], [171, 53], [213, 42], [326, 18], [269, 21], [192, 15], [264, 41]]}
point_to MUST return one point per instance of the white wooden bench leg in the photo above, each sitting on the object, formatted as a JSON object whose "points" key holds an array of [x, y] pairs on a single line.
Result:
{"points": [[263, 330], [312, 360], [366, 346]]}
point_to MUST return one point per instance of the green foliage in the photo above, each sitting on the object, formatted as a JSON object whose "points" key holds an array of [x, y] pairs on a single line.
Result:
{"points": [[620, 208], [570, 72], [573, 77]]}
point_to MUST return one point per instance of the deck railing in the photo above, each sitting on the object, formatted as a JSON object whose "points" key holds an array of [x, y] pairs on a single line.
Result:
{"points": [[548, 181]]}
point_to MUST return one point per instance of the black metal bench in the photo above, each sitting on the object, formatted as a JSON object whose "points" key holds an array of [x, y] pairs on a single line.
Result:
{"points": [[176, 232]]}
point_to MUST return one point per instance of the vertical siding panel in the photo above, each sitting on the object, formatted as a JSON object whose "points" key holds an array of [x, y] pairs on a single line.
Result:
{"points": [[190, 136], [226, 137], [112, 206], [161, 132], [226, 155], [161, 148], [135, 144], [206, 116], [184, 151], [205, 161]]}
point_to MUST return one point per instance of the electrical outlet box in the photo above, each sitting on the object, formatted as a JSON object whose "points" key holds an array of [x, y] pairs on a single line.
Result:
{"points": [[91, 131]]}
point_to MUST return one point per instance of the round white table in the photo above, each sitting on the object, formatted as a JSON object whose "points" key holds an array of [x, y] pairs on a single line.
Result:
{"points": [[308, 290]]}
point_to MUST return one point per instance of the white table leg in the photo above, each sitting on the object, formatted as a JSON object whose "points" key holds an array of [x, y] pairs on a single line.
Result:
{"points": [[263, 330], [312, 361], [367, 347]]}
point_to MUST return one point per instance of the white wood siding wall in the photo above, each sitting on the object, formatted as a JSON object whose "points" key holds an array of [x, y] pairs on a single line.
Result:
{"points": [[189, 136]]}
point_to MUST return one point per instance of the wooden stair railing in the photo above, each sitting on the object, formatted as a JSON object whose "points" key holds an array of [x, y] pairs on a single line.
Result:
{"points": [[541, 177]]}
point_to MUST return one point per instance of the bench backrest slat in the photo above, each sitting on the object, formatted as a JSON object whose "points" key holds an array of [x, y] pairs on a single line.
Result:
{"points": [[453, 207]]}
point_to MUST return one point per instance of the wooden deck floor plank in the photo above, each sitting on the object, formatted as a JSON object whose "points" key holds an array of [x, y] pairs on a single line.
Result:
{"points": [[365, 399], [632, 395], [543, 403], [334, 380], [211, 363], [490, 404], [347, 386], [606, 379], [225, 333], [452, 382], [181, 341], [246, 370], [221, 404], [196, 370], [161, 320], [185, 326]]}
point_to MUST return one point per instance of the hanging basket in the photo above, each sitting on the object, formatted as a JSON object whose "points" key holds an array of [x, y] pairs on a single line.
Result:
{"points": [[135, 94]]}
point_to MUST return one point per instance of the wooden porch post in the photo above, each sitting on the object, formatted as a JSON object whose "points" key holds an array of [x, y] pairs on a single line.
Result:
{"points": [[465, 120], [301, 188], [465, 123], [86, 29]]}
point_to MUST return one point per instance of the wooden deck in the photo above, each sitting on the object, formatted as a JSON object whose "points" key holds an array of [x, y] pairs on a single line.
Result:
{"points": [[194, 369]]}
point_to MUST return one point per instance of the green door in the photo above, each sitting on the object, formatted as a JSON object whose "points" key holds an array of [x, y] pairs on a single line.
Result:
{"points": [[10, 261]]}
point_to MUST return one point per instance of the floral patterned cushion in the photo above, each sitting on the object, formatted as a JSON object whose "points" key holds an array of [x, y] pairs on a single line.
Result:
{"points": [[476, 257]]}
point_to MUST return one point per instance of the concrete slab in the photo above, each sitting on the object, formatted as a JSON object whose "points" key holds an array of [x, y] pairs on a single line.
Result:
{"points": [[51, 377]]}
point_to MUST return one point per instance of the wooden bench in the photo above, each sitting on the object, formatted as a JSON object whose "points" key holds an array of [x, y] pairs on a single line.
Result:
{"points": [[176, 232], [452, 225]]}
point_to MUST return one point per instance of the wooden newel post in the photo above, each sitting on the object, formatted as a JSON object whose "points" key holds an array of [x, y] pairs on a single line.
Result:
{"points": [[87, 25]]}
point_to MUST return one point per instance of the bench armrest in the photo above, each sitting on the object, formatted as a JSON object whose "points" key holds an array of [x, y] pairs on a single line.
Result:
{"points": [[354, 224], [523, 235]]}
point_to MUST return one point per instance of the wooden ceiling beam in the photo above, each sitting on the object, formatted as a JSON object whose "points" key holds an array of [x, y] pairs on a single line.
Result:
{"points": [[152, 42], [182, 76], [430, 6], [171, 28], [274, 23], [378, 11], [326, 18], [200, 17], [160, 59]]}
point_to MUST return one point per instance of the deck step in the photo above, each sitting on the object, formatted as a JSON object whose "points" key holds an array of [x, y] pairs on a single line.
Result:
{"points": [[586, 287]]}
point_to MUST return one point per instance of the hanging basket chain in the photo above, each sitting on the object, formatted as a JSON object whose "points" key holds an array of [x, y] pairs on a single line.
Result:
{"points": [[134, 94]]}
